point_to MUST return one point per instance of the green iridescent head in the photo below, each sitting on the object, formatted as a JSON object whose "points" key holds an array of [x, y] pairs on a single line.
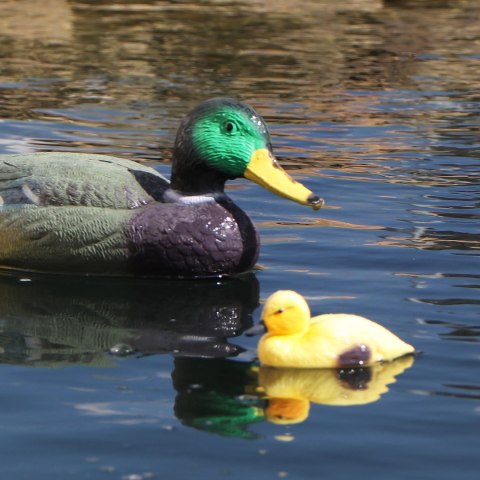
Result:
{"points": [[227, 136], [223, 139]]}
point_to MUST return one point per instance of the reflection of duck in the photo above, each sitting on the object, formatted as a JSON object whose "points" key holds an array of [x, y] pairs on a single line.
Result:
{"points": [[90, 213], [293, 339], [57, 320], [290, 390], [211, 396]]}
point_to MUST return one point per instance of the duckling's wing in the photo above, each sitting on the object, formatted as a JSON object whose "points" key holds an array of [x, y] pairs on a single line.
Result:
{"points": [[74, 179], [357, 340]]}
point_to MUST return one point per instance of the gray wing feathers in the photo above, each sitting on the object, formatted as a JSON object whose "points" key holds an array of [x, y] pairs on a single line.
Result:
{"points": [[72, 179], [52, 237]]}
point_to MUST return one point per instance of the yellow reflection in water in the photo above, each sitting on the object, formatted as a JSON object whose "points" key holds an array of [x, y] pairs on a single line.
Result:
{"points": [[290, 391], [318, 222]]}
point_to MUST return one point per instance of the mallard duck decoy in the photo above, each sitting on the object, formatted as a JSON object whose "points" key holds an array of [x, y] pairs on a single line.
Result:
{"points": [[85, 213], [337, 340]]}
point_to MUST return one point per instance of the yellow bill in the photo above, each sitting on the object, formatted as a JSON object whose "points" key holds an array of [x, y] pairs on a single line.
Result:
{"points": [[264, 169]]}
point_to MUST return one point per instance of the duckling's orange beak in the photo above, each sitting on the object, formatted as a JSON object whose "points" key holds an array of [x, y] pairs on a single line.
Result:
{"points": [[264, 169], [255, 330], [286, 411]]}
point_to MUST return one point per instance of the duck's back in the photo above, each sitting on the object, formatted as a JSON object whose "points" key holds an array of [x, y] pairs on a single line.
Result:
{"points": [[74, 179], [63, 210], [100, 214]]}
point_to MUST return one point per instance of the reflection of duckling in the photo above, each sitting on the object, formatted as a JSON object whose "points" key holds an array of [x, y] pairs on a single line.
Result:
{"points": [[293, 339], [290, 390]]}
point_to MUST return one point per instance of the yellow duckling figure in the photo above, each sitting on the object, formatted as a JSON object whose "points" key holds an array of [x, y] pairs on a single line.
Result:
{"points": [[296, 340]]}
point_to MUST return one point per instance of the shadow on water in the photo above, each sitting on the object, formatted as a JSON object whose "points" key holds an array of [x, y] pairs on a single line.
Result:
{"points": [[56, 321], [52, 321]]}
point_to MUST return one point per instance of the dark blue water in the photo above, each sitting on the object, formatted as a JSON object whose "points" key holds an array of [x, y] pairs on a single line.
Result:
{"points": [[375, 107]]}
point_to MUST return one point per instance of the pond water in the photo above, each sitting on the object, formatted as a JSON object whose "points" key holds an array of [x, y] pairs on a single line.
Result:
{"points": [[374, 106]]}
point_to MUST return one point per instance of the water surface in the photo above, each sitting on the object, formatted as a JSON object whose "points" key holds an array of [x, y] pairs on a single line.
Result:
{"points": [[374, 105]]}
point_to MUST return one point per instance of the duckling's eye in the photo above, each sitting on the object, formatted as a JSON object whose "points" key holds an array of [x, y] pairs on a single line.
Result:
{"points": [[230, 127], [280, 310]]}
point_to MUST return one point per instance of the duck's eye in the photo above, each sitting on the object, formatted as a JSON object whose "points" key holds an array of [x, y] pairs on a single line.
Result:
{"points": [[229, 127], [280, 310]]}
